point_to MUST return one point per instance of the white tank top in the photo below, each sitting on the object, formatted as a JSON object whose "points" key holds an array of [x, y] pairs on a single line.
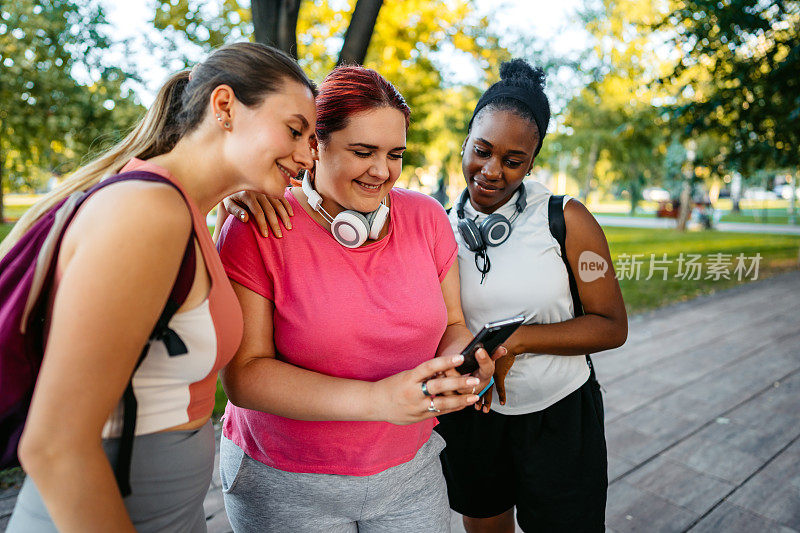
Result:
{"points": [[527, 277]]}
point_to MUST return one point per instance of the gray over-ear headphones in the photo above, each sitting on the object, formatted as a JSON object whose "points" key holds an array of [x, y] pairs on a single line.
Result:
{"points": [[494, 230], [349, 228]]}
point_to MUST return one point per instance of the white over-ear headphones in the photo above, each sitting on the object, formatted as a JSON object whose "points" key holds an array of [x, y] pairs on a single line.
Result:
{"points": [[349, 228]]}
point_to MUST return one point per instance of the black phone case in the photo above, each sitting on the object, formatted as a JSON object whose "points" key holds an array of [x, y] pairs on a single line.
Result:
{"points": [[491, 336]]}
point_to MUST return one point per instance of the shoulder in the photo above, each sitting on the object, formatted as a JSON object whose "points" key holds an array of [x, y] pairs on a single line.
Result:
{"points": [[413, 203], [132, 211], [237, 235], [580, 222]]}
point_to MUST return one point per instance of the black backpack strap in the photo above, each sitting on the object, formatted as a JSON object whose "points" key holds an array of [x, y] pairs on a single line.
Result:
{"points": [[558, 228], [175, 346]]}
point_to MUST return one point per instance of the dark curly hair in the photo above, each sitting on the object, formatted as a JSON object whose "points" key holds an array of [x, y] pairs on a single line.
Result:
{"points": [[520, 91]]}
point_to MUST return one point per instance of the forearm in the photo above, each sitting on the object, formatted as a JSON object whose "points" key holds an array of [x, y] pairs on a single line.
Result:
{"points": [[585, 334], [456, 337], [276, 387], [78, 487], [221, 216]]}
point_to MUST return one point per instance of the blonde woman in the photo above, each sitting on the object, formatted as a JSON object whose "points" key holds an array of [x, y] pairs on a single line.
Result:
{"points": [[241, 120]]}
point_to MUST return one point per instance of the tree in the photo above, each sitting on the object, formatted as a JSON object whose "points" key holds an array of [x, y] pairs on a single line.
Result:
{"points": [[614, 124], [359, 32], [49, 118], [402, 46], [738, 75], [275, 23]]}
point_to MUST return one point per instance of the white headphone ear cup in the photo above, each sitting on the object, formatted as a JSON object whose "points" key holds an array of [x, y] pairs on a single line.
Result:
{"points": [[378, 217], [350, 229]]}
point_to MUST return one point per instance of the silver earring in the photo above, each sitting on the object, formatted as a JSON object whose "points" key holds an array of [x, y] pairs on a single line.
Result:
{"points": [[227, 125], [462, 152], [219, 118]]}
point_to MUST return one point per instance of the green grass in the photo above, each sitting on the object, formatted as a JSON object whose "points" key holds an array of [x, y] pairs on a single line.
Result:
{"points": [[779, 253], [4, 229]]}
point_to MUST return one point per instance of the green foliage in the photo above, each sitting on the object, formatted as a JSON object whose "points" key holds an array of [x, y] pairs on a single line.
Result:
{"points": [[59, 94], [614, 126], [739, 72], [407, 37]]}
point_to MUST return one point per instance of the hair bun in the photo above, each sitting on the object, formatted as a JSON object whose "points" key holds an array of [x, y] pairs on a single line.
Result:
{"points": [[519, 69]]}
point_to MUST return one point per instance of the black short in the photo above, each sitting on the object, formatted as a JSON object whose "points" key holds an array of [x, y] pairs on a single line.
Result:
{"points": [[550, 464]]}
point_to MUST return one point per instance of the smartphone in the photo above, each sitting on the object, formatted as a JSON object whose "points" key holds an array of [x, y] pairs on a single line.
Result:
{"points": [[491, 336]]}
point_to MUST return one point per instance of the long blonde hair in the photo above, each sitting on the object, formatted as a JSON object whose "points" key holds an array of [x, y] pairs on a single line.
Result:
{"points": [[252, 70]]}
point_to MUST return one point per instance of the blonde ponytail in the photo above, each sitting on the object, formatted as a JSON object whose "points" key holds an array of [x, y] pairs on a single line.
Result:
{"points": [[252, 70], [154, 134]]}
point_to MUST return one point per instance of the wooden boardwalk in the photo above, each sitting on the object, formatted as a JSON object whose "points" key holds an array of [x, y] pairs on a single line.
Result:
{"points": [[702, 417]]}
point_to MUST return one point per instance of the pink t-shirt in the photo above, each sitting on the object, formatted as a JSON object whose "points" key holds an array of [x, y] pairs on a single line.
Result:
{"points": [[364, 313]]}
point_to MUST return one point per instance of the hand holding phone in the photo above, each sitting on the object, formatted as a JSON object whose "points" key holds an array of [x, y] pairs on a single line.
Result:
{"points": [[490, 337]]}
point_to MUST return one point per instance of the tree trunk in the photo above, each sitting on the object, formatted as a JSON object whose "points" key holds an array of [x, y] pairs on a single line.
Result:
{"points": [[587, 183], [736, 192], [686, 207], [359, 32], [275, 23]]}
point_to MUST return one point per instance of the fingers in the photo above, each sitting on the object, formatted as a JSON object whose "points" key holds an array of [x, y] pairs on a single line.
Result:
{"points": [[501, 391], [267, 214], [499, 352], [289, 209], [250, 200], [232, 207], [449, 404], [279, 206], [485, 403], [430, 368], [462, 384], [485, 365]]}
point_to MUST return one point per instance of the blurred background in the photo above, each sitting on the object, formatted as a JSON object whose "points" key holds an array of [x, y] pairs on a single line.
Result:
{"points": [[677, 122]]}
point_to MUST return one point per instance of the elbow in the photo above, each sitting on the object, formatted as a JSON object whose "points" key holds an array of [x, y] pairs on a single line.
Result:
{"points": [[235, 387], [37, 452], [619, 333]]}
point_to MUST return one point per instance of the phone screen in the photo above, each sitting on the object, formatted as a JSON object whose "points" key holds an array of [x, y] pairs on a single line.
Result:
{"points": [[491, 336]]}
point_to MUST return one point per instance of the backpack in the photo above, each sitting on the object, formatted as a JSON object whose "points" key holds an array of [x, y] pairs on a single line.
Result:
{"points": [[26, 276]]}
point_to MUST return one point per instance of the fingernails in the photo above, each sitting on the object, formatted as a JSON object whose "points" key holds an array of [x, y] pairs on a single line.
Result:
{"points": [[458, 358], [473, 398], [473, 381], [288, 225], [279, 234], [266, 234]]}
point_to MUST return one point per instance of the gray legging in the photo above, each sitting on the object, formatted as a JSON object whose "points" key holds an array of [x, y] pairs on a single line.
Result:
{"points": [[170, 475]]}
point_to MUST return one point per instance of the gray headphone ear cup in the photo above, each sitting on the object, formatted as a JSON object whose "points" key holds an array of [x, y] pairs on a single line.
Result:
{"points": [[495, 230], [471, 234]]}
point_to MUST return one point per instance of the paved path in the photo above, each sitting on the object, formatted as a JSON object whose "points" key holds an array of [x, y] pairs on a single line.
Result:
{"points": [[668, 223], [702, 417]]}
